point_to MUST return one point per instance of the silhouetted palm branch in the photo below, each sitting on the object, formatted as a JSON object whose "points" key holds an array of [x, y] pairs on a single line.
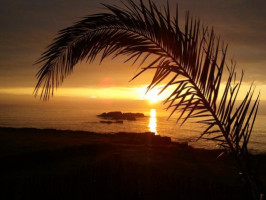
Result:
{"points": [[194, 58]]}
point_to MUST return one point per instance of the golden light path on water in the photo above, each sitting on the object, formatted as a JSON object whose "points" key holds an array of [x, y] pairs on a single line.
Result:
{"points": [[153, 122]]}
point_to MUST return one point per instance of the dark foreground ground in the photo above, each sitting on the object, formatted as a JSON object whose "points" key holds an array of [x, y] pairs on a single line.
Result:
{"points": [[51, 164]]}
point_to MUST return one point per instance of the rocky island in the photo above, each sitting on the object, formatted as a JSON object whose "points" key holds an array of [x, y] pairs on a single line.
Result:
{"points": [[117, 115]]}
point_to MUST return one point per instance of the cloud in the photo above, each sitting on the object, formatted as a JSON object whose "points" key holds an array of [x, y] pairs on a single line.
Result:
{"points": [[27, 27]]}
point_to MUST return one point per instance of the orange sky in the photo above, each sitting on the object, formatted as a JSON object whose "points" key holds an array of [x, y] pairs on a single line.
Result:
{"points": [[27, 27]]}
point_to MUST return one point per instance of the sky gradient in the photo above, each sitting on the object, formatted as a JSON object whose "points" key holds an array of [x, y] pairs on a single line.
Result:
{"points": [[27, 27]]}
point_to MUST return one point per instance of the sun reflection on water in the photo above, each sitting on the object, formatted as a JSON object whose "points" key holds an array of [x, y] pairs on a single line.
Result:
{"points": [[153, 122]]}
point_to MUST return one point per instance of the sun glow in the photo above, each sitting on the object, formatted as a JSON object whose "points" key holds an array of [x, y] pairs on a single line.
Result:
{"points": [[126, 93], [153, 95]]}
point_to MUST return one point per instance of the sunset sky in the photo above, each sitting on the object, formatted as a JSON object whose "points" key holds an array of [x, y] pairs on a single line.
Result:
{"points": [[27, 27]]}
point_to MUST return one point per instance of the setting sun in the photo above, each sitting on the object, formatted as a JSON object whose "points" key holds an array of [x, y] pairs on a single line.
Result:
{"points": [[152, 95]]}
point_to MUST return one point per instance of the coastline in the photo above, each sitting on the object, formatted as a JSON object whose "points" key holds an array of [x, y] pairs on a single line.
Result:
{"points": [[125, 165]]}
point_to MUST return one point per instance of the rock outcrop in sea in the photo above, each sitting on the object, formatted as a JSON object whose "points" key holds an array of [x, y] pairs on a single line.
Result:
{"points": [[117, 115]]}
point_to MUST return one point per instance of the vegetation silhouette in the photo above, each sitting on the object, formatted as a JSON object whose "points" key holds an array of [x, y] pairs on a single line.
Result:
{"points": [[192, 60]]}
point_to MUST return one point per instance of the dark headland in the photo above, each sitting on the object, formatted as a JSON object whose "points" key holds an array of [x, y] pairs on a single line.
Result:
{"points": [[53, 164]]}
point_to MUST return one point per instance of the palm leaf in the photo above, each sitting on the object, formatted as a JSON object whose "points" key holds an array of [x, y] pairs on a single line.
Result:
{"points": [[195, 58]]}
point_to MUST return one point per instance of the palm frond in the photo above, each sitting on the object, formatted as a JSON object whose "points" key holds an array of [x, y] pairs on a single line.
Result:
{"points": [[194, 57]]}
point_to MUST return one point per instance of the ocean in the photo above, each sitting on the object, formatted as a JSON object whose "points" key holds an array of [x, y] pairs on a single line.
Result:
{"points": [[75, 116]]}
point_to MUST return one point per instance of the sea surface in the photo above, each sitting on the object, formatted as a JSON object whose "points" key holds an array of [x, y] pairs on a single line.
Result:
{"points": [[80, 117]]}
